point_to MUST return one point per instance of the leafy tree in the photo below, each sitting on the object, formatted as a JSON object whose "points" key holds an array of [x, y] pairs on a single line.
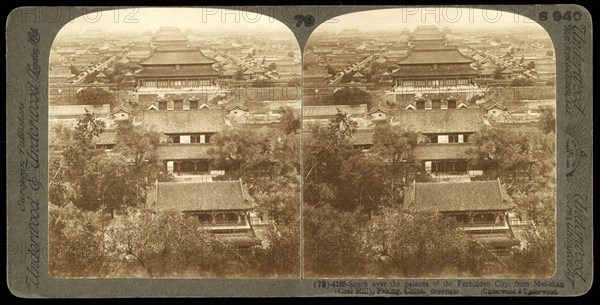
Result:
{"points": [[136, 143], [535, 201], [138, 147], [340, 127], [524, 159], [374, 72], [394, 143], [530, 65], [360, 184], [164, 243], [76, 243], [61, 137], [330, 70], [279, 198], [392, 195], [107, 183], [521, 82], [331, 243], [350, 96], [290, 120], [117, 72], [94, 96], [88, 127], [281, 258], [517, 153], [272, 67], [291, 54], [239, 74], [537, 254], [74, 70], [498, 73], [260, 153], [322, 152], [369, 182], [347, 77], [548, 119], [412, 243], [93, 180], [73, 148], [324, 155]]}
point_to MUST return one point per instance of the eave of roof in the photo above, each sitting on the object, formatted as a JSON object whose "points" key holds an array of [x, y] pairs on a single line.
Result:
{"points": [[177, 57], [199, 71], [460, 196], [201, 196], [434, 56]]}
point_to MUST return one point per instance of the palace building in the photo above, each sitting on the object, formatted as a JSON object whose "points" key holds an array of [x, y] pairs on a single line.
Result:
{"points": [[186, 139], [434, 68], [481, 209], [427, 37], [435, 74], [169, 38], [444, 141], [176, 69], [222, 207]]}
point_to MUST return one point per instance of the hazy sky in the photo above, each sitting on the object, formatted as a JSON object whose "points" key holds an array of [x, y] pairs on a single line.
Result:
{"points": [[202, 19], [459, 19], [212, 20]]}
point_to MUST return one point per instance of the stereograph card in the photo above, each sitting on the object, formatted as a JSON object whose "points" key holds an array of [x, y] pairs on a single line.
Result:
{"points": [[299, 151]]}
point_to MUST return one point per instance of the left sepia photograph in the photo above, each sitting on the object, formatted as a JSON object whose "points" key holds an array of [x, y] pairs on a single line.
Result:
{"points": [[174, 146]]}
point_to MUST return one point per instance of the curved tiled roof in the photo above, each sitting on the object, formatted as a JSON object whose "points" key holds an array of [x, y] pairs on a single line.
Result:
{"points": [[460, 196], [188, 56], [462, 71], [196, 71], [435, 56], [201, 196]]}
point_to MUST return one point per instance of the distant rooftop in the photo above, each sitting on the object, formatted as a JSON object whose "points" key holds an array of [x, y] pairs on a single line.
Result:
{"points": [[178, 57], [435, 56]]}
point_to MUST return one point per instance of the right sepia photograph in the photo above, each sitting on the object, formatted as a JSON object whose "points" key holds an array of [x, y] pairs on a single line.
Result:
{"points": [[429, 146]]}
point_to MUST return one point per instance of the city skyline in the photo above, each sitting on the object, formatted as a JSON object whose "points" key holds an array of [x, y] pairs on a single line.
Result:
{"points": [[215, 21], [454, 18], [197, 19]]}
